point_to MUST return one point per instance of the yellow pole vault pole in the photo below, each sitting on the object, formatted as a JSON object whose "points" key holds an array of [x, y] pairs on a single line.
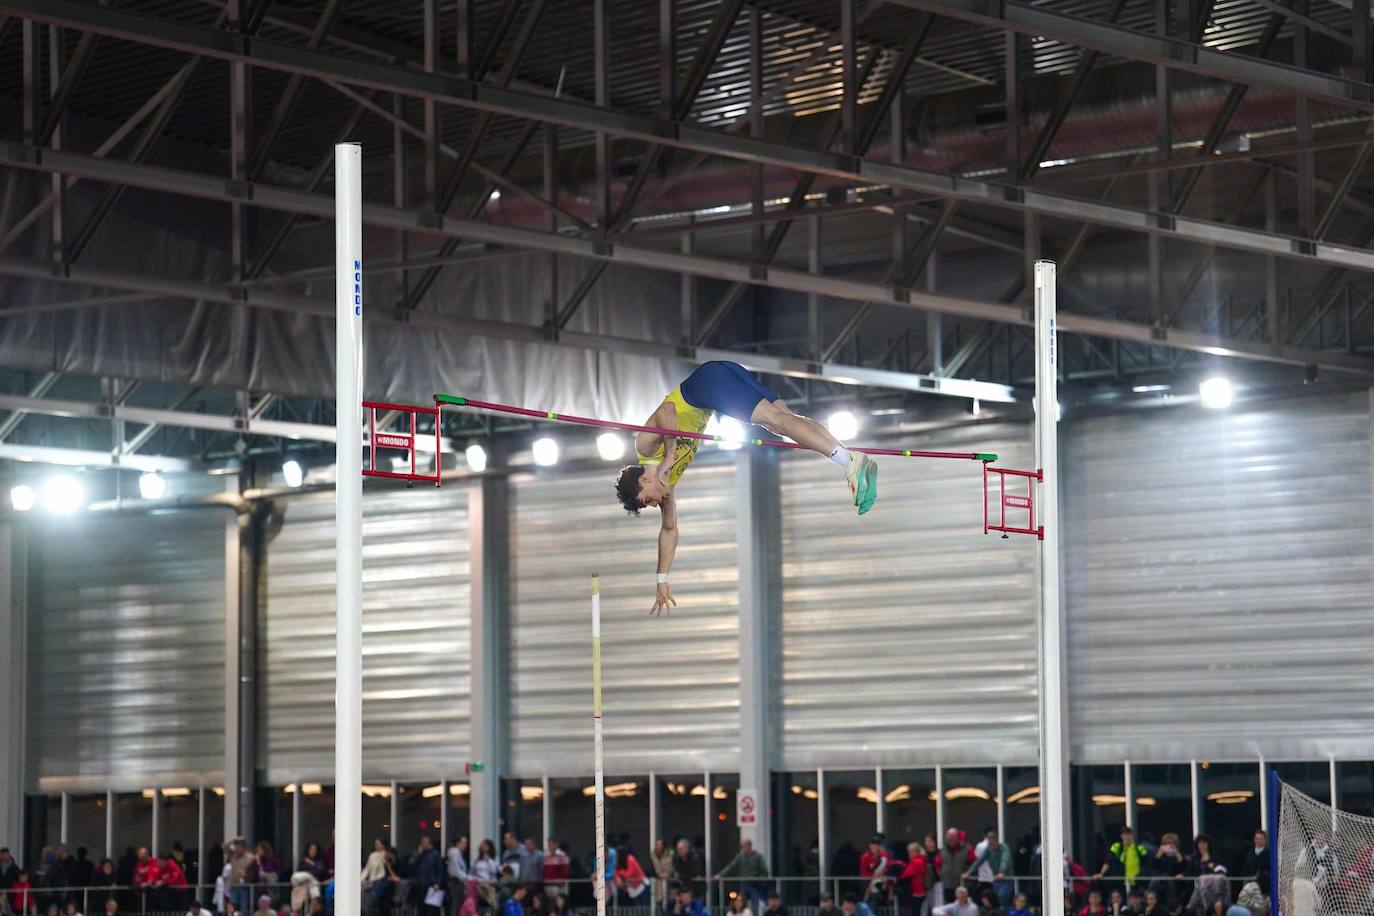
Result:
{"points": [[600, 879]]}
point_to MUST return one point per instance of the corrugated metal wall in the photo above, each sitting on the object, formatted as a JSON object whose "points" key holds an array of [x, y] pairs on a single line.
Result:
{"points": [[1218, 582], [415, 638], [907, 635], [671, 685], [126, 649]]}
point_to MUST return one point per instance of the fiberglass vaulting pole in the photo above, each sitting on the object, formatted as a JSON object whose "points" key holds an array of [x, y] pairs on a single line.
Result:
{"points": [[1053, 810], [348, 494]]}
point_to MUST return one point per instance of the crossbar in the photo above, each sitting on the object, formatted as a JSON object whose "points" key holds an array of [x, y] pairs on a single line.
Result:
{"points": [[457, 401]]}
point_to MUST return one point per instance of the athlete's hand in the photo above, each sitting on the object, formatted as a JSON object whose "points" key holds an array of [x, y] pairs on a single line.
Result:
{"points": [[662, 600]]}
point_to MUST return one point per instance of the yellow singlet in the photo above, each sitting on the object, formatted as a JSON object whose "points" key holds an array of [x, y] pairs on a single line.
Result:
{"points": [[689, 418]]}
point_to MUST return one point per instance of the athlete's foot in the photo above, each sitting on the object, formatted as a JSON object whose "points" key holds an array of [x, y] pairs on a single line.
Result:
{"points": [[853, 474], [868, 488]]}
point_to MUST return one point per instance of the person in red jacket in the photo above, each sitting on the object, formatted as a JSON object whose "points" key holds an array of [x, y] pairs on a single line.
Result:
{"points": [[174, 884], [1094, 907], [914, 873], [147, 880], [21, 895], [876, 865]]}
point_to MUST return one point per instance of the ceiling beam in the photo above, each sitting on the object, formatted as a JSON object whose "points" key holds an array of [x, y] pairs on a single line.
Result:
{"points": [[1154, 49], [580, 115], [84, 458], [397, 218]]}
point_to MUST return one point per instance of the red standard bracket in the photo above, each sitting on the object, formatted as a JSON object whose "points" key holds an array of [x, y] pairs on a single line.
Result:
{"points": [[1017, 502], [401, 441]]}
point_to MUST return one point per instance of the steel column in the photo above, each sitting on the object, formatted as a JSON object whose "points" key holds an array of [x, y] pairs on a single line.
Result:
{"points": [[815, 318], [155, 842], [488, 553], [109, 822], [240, 123], [758, 524], [1359, 39], [202, 844], [1195, 802], [1011, 77], [395, 814], [233, 666], [880, 803], [667, 58], [1272, 304], [1307, 195], [64, 818], [550, 827], [298, 823], [58, 211], [430, 20], [687, 297], [13, 665]]}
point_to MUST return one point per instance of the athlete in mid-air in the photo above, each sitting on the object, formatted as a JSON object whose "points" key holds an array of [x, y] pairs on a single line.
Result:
{"points": [[728, 388]]}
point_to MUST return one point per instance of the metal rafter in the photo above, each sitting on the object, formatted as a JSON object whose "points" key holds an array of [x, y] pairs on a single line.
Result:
{"points": [[479, 127], [393, 218], [688, 136], [721, 24], [1174, 53], [40, 388]]}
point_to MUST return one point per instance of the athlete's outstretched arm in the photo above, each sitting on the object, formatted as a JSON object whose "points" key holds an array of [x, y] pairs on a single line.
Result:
{"points": [[667, 549]]}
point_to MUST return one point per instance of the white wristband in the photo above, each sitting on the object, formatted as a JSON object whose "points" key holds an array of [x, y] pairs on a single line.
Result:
{"points": [[662, 578]]}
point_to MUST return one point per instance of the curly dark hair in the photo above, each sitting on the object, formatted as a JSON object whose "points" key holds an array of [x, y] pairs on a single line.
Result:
{"points": [[627, 487]]}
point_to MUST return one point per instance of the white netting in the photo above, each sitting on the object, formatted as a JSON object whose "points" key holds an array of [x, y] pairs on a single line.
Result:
{"points": [[1325, 858]]}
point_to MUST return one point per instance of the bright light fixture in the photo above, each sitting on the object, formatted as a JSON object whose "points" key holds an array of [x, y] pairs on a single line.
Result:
{"points": [[843, 425], [63, 495], [152, 485], [1216, 392], [731, 433], [610, 446], [545, 451], [292, 473], [22, 498], [477, 458]]}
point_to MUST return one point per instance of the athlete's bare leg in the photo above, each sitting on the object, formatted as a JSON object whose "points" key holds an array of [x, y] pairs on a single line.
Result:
{"points": [[777, 417], [859, 470]]}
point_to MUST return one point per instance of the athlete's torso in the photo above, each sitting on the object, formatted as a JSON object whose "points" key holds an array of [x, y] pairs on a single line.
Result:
{"points": [[689, 419]]}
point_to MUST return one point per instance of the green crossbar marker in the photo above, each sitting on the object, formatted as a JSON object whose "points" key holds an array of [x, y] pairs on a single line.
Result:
{"points": [[984, 456], [450, 399]]}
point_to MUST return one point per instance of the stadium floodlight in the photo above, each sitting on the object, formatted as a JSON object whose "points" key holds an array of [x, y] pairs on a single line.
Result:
{"points": [[610, 446], [731, 433], [545, 452], [843, 424], [22, 498], [1216, 392], [63, 495], [293, 473], [477, 458], [152, 485]]}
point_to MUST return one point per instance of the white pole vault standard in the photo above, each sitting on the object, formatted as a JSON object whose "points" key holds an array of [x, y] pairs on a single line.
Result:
{"points": [[348, 520], [600, 880], [1052, 809]]}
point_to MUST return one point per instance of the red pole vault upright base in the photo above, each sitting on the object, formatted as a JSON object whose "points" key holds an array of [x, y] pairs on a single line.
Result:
{"points": [[403, 441], [1017, 502]]}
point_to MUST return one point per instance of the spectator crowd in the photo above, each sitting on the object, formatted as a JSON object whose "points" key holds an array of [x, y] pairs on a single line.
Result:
{"points": [[951, 876]]}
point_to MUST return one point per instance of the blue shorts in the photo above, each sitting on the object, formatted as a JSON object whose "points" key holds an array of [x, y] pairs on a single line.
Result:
{"points": [[726, 388]]}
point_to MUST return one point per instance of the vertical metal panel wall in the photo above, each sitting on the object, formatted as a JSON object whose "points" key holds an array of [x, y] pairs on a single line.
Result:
{"points": [[908, 637], [1219, 581], [126, 643], [415, 637], [671, 685]]}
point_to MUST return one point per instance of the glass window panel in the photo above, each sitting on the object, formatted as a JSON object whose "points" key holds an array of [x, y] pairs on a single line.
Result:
{"points": [[1099, 794], [214, 831], [796, 845], [851, 805], [1163, 802], [181, 822], [574, 814], [971, 800], [910, 805], [133, 823], [1022, 785], [86, 825], [376, 814], [1355, 784], [1310, 777], [273, 821], [627, 816], [459, 813], [724, 833], [682, 809], [1230, 809], [421, 806], [317, 813]]}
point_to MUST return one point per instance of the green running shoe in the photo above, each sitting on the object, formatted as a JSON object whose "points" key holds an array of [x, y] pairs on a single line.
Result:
{"points": [[868, 485]]}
